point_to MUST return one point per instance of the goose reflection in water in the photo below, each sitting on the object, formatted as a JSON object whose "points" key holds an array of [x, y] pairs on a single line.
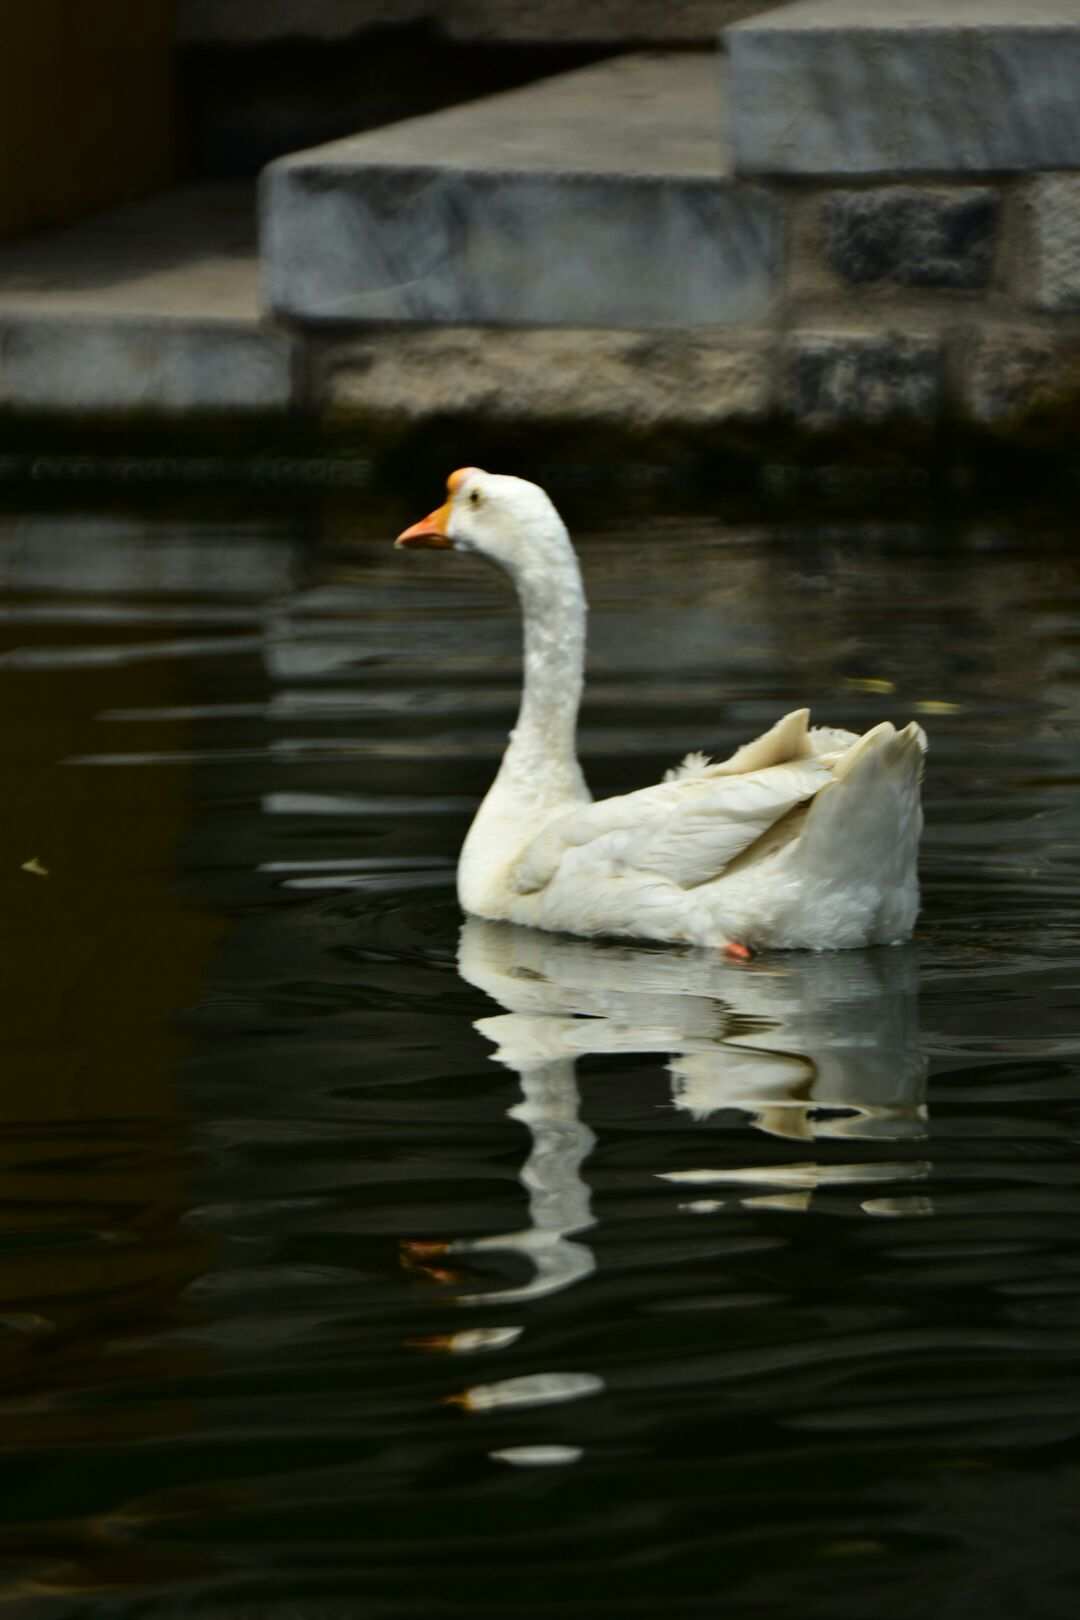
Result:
{"points": [[808, 1046]]}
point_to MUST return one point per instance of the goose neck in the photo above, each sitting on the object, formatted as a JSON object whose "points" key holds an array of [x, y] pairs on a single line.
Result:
{"points": [[553, 609]]}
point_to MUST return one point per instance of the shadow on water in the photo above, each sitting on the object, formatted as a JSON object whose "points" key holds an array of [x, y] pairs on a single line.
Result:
{"points": [[352, 1260]]}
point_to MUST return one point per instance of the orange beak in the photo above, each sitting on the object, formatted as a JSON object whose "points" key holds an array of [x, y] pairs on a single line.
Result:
{"points": [[430, 531]]}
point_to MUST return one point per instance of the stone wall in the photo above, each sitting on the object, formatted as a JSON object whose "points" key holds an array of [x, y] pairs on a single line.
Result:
{"points": [[878, 293], [854, 236], [929, 167]]}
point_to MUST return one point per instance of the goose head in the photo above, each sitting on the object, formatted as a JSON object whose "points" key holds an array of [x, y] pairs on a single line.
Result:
{"points": [[506, 520]]}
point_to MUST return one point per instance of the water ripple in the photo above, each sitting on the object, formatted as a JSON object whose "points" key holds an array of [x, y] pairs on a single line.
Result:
{"points": [[353, 1261]]}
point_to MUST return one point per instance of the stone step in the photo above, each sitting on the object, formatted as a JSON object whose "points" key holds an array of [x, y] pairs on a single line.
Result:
{"points": [[149, 308], [849, 87], [602, 197]]}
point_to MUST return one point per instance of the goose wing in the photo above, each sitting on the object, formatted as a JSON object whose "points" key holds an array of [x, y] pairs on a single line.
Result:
{"points": [[689, 827]]}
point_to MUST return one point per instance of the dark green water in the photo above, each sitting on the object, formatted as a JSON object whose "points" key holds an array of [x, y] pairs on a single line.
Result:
{"points": [[675, 1287]]}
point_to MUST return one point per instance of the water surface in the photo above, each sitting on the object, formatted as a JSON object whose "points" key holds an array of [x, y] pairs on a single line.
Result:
{"points": [[352, 1264]]}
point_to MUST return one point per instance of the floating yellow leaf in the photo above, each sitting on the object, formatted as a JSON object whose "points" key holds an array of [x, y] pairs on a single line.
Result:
{"points": [[869, 683], [937, 706], [34, 865], [854, 1548]]}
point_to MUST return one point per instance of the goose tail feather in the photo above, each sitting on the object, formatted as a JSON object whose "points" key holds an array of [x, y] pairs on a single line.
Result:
{"points": [[863, 828]]}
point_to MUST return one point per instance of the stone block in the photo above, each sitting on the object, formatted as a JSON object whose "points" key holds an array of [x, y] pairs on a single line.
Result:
{"points": [[101, 365], [1010, 376], [551, 375], [832, 379], [912, 236], [1052, 207], [635, 382], [596, 198], [900, 86]]}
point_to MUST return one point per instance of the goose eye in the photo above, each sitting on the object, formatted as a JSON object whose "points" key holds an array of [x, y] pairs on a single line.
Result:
{"points": [[474, 497]]}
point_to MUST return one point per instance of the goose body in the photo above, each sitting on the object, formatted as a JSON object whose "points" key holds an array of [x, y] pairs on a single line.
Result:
{"points": [[805, 838]]}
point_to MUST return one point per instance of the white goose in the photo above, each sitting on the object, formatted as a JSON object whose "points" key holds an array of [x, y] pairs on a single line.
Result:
{"points": [[805, 838]]}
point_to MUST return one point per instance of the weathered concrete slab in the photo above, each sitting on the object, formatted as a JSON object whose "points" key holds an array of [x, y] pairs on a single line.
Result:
{"points": [[598, 198], [902, 86], [151, 308]]}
